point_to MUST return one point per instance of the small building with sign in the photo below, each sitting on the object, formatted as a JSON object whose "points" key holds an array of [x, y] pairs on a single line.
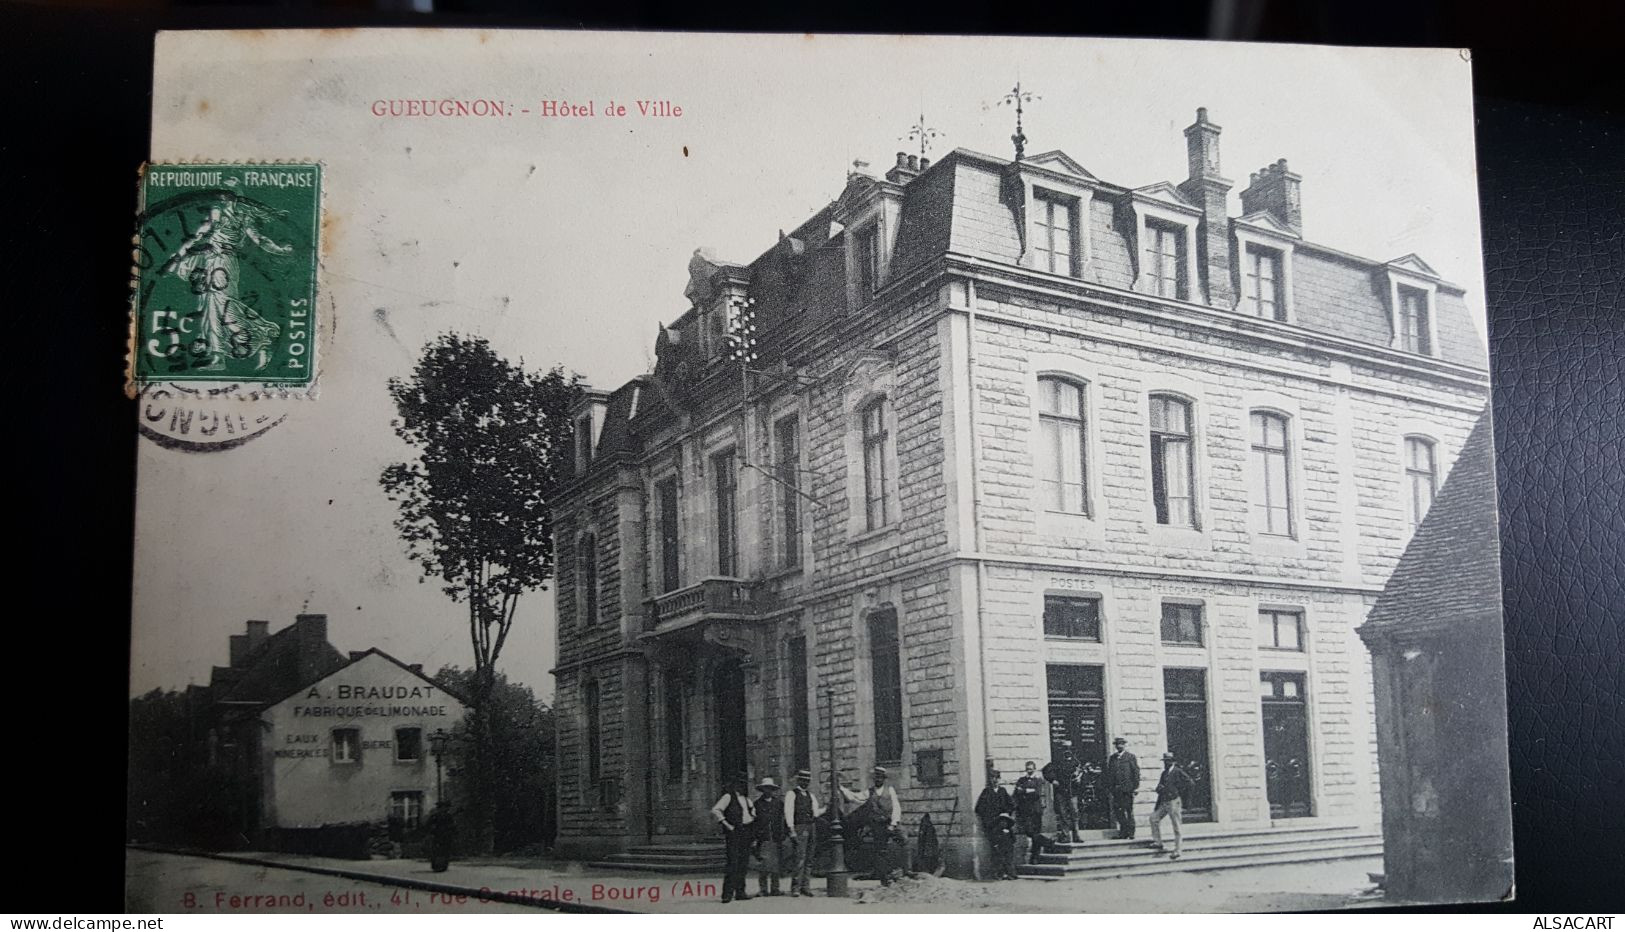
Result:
{"points": [[314, 738], [353, 746], [990, 460]]}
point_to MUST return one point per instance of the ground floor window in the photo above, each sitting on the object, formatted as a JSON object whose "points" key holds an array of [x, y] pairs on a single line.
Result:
{"points": [[406, 808], [346, 746], [409, 744]]}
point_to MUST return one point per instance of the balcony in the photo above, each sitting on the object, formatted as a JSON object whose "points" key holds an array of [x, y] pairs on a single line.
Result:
{"points": [[715, 599]]}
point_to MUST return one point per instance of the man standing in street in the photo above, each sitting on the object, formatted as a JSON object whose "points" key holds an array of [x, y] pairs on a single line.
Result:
{"points": [[994, 802], [1121, 780], [772, 832], [735, 814], [801, 812], [1029, 798], [878, 819], [1173, 789], [1062, 774]]}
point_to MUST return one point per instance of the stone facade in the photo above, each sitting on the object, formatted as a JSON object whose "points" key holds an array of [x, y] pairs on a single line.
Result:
{"points": [[917, 479]]}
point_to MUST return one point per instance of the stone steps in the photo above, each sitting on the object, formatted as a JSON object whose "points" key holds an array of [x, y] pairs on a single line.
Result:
{"points": [[1205, 851]]}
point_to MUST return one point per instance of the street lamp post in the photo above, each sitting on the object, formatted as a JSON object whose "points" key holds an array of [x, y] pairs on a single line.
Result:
{"points": [[837, 874], [437, 746]]}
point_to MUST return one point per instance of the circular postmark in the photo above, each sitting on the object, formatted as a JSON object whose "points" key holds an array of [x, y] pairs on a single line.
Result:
{"points": [[203, 420]]}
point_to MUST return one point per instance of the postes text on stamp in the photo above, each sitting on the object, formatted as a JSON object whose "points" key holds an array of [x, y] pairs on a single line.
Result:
{"points": [[225, 275]]}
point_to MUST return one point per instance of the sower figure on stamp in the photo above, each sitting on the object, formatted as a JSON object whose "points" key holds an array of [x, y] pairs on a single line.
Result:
{"points": [[772, 834], [1121, 780], [877, 818], [801, 812], [1029, 798], [1173, 789], [208, 260], [1063, 775], [995, 801], [735, 815]]}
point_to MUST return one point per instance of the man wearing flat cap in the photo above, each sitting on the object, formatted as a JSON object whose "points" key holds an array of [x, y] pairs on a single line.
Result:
{"points": [[801, 812], [879, 817]]}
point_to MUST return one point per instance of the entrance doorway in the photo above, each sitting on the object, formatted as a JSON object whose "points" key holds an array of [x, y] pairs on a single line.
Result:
{"points": [[1077, 723], [728, 695], [1286, 745], [1185, 694]]}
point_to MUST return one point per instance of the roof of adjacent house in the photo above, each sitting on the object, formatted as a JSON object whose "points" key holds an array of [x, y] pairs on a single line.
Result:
{"points": [[1450, 573]]}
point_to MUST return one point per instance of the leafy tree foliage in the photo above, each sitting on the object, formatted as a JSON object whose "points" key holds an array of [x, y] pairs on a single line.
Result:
{"points": [[519, 766]]}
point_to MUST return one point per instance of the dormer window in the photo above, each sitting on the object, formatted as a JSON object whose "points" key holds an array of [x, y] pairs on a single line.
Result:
{"points": [[1055, 243], [1413, 324], [866, 262], [1262, 292], [1166, 260]]}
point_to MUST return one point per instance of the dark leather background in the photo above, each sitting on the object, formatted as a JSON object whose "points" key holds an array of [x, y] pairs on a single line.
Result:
{"points": [[1552, 177]]}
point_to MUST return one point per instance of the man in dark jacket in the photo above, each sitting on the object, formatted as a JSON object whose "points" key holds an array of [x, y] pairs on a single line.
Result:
{"points": [[1029, 797], [772, 831], [1063, 774], [1173, 788], [1121, 780], [995, 801]]}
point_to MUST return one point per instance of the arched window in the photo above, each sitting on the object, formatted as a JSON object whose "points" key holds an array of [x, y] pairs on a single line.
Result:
{"points": [[1271, 465], [1173, 462], [587, 577], [875, 508], [1063, 467], [1421, 476]]}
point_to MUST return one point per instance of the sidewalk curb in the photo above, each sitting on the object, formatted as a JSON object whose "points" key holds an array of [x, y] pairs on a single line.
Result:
{"points": [[427, 886]]}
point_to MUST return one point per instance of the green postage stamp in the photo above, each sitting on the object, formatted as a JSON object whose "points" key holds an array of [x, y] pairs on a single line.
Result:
{"points": [[225, 259]]}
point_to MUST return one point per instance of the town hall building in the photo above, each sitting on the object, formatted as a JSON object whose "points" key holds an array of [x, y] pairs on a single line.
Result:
{"points": [[990, 460]]}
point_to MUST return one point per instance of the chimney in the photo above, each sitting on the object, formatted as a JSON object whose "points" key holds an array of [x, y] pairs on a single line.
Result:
{"points": [[1209, 190], [238, 649], [311, 632], [1276, 190], [924, 163], [906, 168], [258, 633]]}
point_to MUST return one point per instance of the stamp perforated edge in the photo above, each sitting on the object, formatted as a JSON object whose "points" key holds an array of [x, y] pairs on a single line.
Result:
{"points": [[324, 323]]}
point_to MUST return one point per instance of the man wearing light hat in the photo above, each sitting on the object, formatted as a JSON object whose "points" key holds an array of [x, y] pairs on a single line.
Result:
{"points": [[880, 823], [772, 833], [1173, 789], [801, 812]]}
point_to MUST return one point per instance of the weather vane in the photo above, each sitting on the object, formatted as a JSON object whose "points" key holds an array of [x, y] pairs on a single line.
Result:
{"points": [[1017, 98], [923, 134]]}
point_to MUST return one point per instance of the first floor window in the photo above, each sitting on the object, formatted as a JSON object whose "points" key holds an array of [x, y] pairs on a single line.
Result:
{"points": [[587, 577], [1062, 452], [1182, 624], [787, 436], [1069, 616], [406, 808], [346, 746], [866, 259], [1172, 462], [409, 744], [666, 493], [886, 685], [1421, 475], [1279, 630], [874, 464], [1271, 465], [727, 512]]}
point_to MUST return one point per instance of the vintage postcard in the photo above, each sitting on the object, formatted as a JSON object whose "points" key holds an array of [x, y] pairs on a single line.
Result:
{"points": [[811, 474]]}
